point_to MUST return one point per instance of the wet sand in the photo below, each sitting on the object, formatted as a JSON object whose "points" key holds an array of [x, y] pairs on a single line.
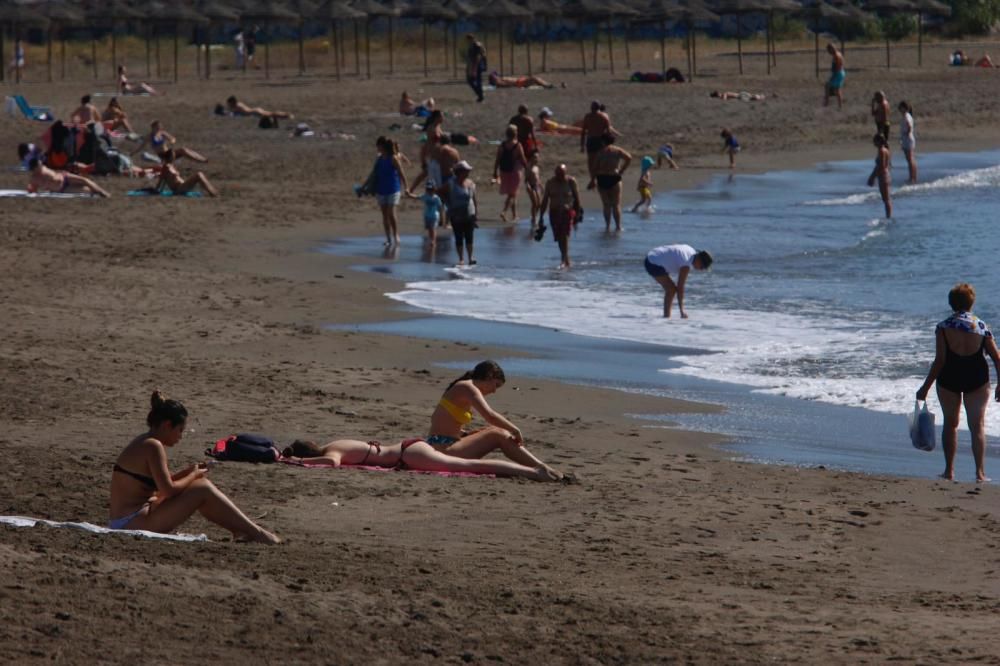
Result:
{"points": [[664, 551]]}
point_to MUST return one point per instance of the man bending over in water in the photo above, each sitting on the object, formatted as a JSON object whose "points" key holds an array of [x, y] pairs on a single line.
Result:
{"points": [[44, 179]]}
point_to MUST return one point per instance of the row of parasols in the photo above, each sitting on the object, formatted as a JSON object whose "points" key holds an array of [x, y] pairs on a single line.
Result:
{"points": [[500, 15]]}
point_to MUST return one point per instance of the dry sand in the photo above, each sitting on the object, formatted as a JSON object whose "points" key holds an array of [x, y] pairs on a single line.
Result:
{"points": [[666, 550]]}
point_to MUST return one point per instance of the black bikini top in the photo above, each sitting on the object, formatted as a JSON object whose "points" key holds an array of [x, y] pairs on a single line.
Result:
{"points": [[141, 478]]}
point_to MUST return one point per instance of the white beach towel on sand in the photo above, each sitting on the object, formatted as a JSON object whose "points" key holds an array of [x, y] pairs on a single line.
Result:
{"points": [[44, 195], [22, 521]]}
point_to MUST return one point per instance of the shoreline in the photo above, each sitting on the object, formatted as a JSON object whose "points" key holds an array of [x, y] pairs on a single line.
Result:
{"points": [[664, 551]]}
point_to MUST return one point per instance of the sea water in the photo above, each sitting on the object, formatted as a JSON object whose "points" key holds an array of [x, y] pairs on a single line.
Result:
{"points": [[816, 303]]}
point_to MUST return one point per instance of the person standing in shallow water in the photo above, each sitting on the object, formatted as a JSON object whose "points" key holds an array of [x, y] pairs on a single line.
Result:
{"points": [[962, 342], [882, 172]]}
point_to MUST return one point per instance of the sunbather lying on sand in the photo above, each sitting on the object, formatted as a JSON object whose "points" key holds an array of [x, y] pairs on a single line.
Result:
{"points": [[414, 454], [44, 179], [238, 108], [547, 124], [454, 412], [498, 81], [743, 95], [127, 88], [146, 496]]}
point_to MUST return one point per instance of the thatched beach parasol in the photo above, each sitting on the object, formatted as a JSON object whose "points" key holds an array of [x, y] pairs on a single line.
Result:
{"points": [[931, 8], [816, 11], [18, 15], [214, 12], [372, 9], [429, 10], [500, 10], [60, 14], [888, 8], [177, 15], [462, 9], [333, 12], [110, 12], [268, 12], [739, 8]]}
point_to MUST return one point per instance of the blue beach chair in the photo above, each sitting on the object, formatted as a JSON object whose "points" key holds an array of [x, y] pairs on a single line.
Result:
{"points": [[42, 113]]}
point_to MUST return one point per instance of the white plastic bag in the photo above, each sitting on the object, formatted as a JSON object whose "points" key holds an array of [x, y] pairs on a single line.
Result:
{"points": [[922, 427]]}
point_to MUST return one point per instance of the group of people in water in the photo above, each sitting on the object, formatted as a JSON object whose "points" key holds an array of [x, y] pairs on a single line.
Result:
{"points": [[146, 495]]}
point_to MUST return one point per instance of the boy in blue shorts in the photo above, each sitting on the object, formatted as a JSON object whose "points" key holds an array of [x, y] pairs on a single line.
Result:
{"points": [[433, 209]]}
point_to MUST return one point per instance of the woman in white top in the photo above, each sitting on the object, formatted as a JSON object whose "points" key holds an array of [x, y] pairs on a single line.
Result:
{"points": [[906, 139], [667, 261]]}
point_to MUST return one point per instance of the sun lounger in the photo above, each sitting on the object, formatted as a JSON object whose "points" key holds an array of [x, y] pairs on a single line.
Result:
{"points": [[40, 113]]}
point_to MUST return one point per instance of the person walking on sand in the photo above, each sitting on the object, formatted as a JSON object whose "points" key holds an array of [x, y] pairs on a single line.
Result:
{"points": [[389, 181], [475, 65], [562, 199], [454, 412], [146, 496], [882, 172], [835, 84], [907, 140], [665, 262], [596, 125], [963, 377], [44, 179], [609, 165], [508, 170], [459, 194], [880, 113]]}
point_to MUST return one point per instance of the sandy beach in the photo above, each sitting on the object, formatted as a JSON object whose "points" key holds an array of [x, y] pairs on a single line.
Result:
{"points": [[664, 551]]}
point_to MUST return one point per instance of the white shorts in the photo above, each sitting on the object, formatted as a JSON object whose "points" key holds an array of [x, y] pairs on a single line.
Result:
{"points": [[388, 199]]}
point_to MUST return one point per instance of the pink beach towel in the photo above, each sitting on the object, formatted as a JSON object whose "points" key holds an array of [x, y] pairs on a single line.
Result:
{"points": [[371, 468]]}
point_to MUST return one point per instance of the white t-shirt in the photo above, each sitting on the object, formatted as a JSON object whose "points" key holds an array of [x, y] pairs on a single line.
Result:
{"points": [[906, 137], [672, 257]]}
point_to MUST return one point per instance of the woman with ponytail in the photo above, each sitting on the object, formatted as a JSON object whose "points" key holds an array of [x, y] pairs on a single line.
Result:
{"points": [[146, 496], [454, 412]]}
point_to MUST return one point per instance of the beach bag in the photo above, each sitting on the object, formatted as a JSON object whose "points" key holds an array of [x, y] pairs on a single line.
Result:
{"points": [[245, 447], [268, 122], [922, 427]]}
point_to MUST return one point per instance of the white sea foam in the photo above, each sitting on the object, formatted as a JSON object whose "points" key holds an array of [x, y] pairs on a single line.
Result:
{"points": [[976, 178], [805, 356]]}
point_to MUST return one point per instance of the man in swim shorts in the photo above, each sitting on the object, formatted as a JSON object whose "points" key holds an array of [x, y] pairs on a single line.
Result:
{"points": [[609, 164], [835, 85], [665, 262], [596, 125], [525, 130], [562, 200]]}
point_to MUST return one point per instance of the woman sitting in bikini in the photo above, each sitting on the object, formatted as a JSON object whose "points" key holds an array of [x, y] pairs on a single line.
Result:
{"points": [[126, 88], [454, 412], [171, 178], [161, 140], [413, 454], [114, 117], [146, 496]]}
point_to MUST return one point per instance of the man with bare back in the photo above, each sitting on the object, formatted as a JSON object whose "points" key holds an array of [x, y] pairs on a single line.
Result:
{"points": [[596, 125], [562, 200], [609, 164], [86, 112]]}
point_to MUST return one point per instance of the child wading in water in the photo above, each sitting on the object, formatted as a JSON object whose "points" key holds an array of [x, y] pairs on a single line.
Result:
{"points": [[731, 146], [433, 209], [645, 186]]}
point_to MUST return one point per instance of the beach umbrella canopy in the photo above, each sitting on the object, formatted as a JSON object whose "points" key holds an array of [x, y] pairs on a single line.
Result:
{"points": [[176, 14], [109, 13], [498, 10], [816, 11], [739, 8], [214, 12], [268, 11], [429, 10], [686, 12], [888, 8], [932, 8], [332, 12], [546, 10], [305, 9], [19, 15], [60, 13], [371, 9]]}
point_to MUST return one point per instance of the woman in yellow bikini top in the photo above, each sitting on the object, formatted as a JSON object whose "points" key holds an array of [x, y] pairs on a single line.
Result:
{"points": [[454, 411]]}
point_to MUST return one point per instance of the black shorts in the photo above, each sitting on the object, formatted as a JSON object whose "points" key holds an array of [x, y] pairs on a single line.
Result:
{"points": [[463, 226], [594, 143], [607, 181]]}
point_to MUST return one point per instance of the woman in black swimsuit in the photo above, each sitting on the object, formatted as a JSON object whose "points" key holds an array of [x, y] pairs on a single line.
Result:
{"points": [[963, 376], [609, 164], [146, 496]]}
